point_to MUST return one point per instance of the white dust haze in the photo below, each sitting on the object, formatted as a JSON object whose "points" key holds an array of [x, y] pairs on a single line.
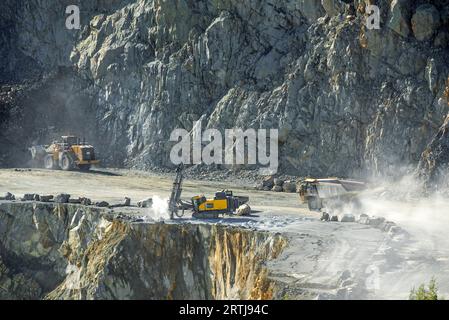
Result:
{"points": [[159, 209], [425, 218]]}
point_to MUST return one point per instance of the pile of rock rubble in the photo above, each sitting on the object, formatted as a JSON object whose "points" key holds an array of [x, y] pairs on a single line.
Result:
{"points": [[66, 198], [271, 183], [376, 222]]}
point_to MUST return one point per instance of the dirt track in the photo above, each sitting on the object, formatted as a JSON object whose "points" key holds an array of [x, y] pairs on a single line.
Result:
{"points": [[114, 185]]}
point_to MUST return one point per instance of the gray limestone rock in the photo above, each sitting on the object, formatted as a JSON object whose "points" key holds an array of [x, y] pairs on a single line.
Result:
{"points": [[278, 182], [8, 196], [400, 15], [127, 202], [243, 210], [425, 22], [346, 218], [102, 204], [62, 198], [46, 198], [28, 197], [342, 97], [145, 203], [289, 186]]}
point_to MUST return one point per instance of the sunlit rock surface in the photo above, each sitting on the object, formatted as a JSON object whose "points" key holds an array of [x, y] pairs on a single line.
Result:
{"points": [[345, 99]]}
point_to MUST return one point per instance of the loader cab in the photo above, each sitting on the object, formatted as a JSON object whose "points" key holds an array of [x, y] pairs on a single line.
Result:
{"points": [[70, 140]]}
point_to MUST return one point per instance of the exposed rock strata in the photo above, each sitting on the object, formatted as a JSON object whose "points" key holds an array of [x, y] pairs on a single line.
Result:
{"points": [[345, 99], [66, 251]]}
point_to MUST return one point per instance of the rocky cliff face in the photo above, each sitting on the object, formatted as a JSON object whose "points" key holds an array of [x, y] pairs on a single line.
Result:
{"points": [[74, 252], [434, 163], [345, 98]]}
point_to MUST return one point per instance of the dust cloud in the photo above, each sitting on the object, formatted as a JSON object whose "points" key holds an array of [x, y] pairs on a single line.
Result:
{"points": [[425, 219], [405, 202], [159, 209]]}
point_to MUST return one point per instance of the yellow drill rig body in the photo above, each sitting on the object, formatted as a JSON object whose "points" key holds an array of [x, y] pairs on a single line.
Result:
{"points": [[224, 202]]}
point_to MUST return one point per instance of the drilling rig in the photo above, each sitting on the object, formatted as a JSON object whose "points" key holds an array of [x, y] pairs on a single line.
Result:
{"points": [[174, 203], [224, 202]]}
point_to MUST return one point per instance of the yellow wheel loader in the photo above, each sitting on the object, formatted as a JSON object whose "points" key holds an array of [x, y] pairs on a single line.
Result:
{"points": [[68, 154]]}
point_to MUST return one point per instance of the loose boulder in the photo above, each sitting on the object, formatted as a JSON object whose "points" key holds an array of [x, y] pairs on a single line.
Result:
{"points": [[126, 203], [289, 186], [102, 204], [268, 182], [347, 217], [46, 198], [8, 196], [278, 182], [28, 197], [145, 203], [259, 186], [376, 221], [277, 189], [425, 22], [62, 198], [325, 216], [244, 210], [387, 225], [86, 201]]}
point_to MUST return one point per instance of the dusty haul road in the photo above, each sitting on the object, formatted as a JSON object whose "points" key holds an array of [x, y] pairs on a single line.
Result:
{"points": [[113, 185], [324, 260]]}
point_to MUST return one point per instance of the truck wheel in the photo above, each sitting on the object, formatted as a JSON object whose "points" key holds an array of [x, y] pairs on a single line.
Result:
{"points": [[66, 163], [314, 203], [49, 163], [84, 167]]}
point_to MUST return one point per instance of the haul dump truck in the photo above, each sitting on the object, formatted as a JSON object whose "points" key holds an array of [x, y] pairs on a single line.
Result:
{"points": [[331, 193], [224, 202], [68, 154]]}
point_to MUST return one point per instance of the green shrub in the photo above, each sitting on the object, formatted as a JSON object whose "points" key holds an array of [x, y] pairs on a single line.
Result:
{"points": [[423, 293]]}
